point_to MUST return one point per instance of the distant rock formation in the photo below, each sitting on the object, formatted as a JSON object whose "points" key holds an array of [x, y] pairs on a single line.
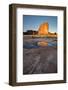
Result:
{"points": [[43, 31], [30, 32]]}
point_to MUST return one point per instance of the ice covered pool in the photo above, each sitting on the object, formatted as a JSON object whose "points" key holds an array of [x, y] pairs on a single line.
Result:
{"points": [[39, 44]]}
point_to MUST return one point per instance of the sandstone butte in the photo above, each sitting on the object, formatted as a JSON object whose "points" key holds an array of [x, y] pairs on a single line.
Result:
{"points": [[43, 29]]}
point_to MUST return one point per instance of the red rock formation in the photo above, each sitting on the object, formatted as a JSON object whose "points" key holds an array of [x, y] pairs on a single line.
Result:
{"points": [[43, 29]]}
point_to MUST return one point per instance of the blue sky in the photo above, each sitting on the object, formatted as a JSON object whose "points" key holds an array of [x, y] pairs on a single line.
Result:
{"points": [[32, 22]]}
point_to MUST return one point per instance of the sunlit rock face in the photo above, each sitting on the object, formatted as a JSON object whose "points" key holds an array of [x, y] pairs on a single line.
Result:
{"points": [[43, 29]]}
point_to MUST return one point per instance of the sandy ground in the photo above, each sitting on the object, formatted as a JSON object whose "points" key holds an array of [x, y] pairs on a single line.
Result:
{"points": [[39, 60]]}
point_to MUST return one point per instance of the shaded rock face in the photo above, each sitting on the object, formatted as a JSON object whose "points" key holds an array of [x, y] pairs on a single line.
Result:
{"points": [[40, 61], [43, 29]]}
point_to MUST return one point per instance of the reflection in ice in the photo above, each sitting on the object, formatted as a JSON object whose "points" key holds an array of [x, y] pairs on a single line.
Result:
{"points": [[39, 43]]}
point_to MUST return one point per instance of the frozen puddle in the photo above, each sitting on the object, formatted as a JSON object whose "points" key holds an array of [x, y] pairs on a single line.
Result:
{"points": [[39, 44]]}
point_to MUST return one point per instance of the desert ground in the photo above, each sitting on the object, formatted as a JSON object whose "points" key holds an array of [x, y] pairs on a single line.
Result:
{"points": [[39, 59]]}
